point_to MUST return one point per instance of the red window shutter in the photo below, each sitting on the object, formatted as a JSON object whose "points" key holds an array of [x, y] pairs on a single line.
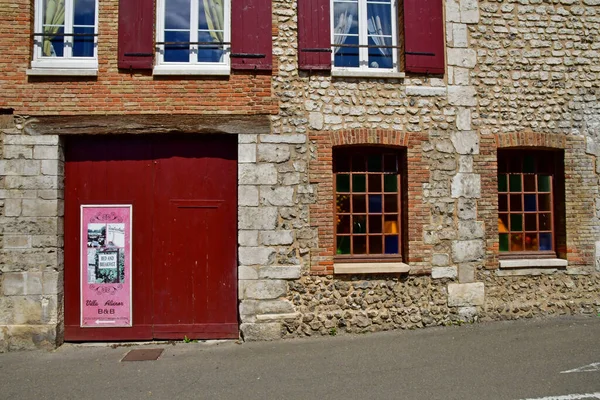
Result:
{"points": [[314, 35], [424, 36], [251, 46], [136, 34]]}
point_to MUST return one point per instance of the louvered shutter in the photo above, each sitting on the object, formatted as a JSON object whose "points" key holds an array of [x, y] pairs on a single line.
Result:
{"points": [[424, 36], [251, 46], [136, 34], [314, 35]]}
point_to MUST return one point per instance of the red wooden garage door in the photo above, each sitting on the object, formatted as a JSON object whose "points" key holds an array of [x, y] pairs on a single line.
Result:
{"points": [[183, 192]]}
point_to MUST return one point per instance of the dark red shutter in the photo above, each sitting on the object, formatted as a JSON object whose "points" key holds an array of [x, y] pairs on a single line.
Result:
{"points": [[314, 35], [424, 36], [251, 38], [136, 34]]}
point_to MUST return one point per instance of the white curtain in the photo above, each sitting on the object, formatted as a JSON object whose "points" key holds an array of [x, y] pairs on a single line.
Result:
{"points": [[213, 10], [341, 29], [54, 15], [374, 28]]}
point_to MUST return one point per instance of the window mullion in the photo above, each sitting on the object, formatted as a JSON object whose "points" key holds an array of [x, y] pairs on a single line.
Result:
{"points": [[195, 7], [363, 33], [394, 20], [68, 40]]}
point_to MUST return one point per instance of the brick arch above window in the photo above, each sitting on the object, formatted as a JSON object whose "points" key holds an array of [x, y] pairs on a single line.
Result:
{"points": [[416, 253], [531, 139]]}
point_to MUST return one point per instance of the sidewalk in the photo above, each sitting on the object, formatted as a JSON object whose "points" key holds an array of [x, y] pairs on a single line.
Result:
{"points": [[501, 360]]}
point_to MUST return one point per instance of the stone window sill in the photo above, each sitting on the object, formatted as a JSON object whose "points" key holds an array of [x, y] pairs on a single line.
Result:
{"points": [[371, 268], [62, 72], [534, 263], [531, 267], [367, 74]]}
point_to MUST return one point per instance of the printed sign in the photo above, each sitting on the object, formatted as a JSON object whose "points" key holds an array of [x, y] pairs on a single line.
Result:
{"points": [[105, 265]]}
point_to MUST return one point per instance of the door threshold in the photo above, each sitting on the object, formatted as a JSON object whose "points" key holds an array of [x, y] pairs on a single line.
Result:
{"points": [[147, 343]]}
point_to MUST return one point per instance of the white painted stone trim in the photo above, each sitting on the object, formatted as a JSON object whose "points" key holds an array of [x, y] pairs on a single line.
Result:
{"points": [[370, 268], [367, 74], [534, 263], [62, 72]]}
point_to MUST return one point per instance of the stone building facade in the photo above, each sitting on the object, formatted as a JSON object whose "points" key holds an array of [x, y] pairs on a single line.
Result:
{"points": [[519, 75]]}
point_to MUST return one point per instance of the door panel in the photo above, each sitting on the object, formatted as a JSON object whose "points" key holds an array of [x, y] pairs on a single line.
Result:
{"points": [[184, 261]]}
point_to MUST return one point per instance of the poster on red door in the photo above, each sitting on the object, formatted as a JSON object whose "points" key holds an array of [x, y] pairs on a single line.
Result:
{"points": [[105, 266]]}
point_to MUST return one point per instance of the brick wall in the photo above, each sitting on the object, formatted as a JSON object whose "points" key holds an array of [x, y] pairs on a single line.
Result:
{"points": [[115, 91]]}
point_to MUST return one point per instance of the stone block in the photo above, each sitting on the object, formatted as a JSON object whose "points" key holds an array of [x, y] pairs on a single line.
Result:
{"points": [[597, 256], [470, 230], [23, 152], [32, 182], [466, 294], [467, 209], [255, 255], [253, 307], [461, 76], [315, 120], [467, 314], [31, 140], [248, 195], [460, 35], [29, 337], [3, 339], [291, 139], [265, 289], [247, 273], [51, 167], [248, 238], [52, 282], [452, 11], [20, 167], [465, 164], [469, 11], [13, 207], [440, 260], [466, 273], [257, 174], [29, 226], [246, 153], [17, 241], [261, 331], [466, 185], [39, 208], [41, 152], [262, 218], [247, 138], [465, 142], [467, 250], [27, 310], [273, 153], [463, 119], [24, 259], [279, 272], [443, 272], [277, 196], [462, 96], [276, 238], [425, 91], [466, 58]]}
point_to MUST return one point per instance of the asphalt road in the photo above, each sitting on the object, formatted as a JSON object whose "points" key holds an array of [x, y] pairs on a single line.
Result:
{"points": [[501, 360]]}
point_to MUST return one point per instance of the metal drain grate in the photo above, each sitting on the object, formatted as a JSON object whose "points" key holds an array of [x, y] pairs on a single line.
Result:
{"points": [[143, 355]]}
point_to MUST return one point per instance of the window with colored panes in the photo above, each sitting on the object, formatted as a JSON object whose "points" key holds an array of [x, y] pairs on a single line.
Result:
{"points": [[368, 206], [193, 33], [65, 34], [527, 197]]}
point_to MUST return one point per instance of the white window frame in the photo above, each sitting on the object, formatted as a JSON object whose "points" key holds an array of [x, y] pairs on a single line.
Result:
{"points": [[363, 39], [192, 67], [67, 61]]}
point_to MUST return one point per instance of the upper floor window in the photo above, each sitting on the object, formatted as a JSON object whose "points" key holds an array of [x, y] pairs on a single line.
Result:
{"points": [[193, 34], [65, 34], [529, 195], [364, 35]]}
